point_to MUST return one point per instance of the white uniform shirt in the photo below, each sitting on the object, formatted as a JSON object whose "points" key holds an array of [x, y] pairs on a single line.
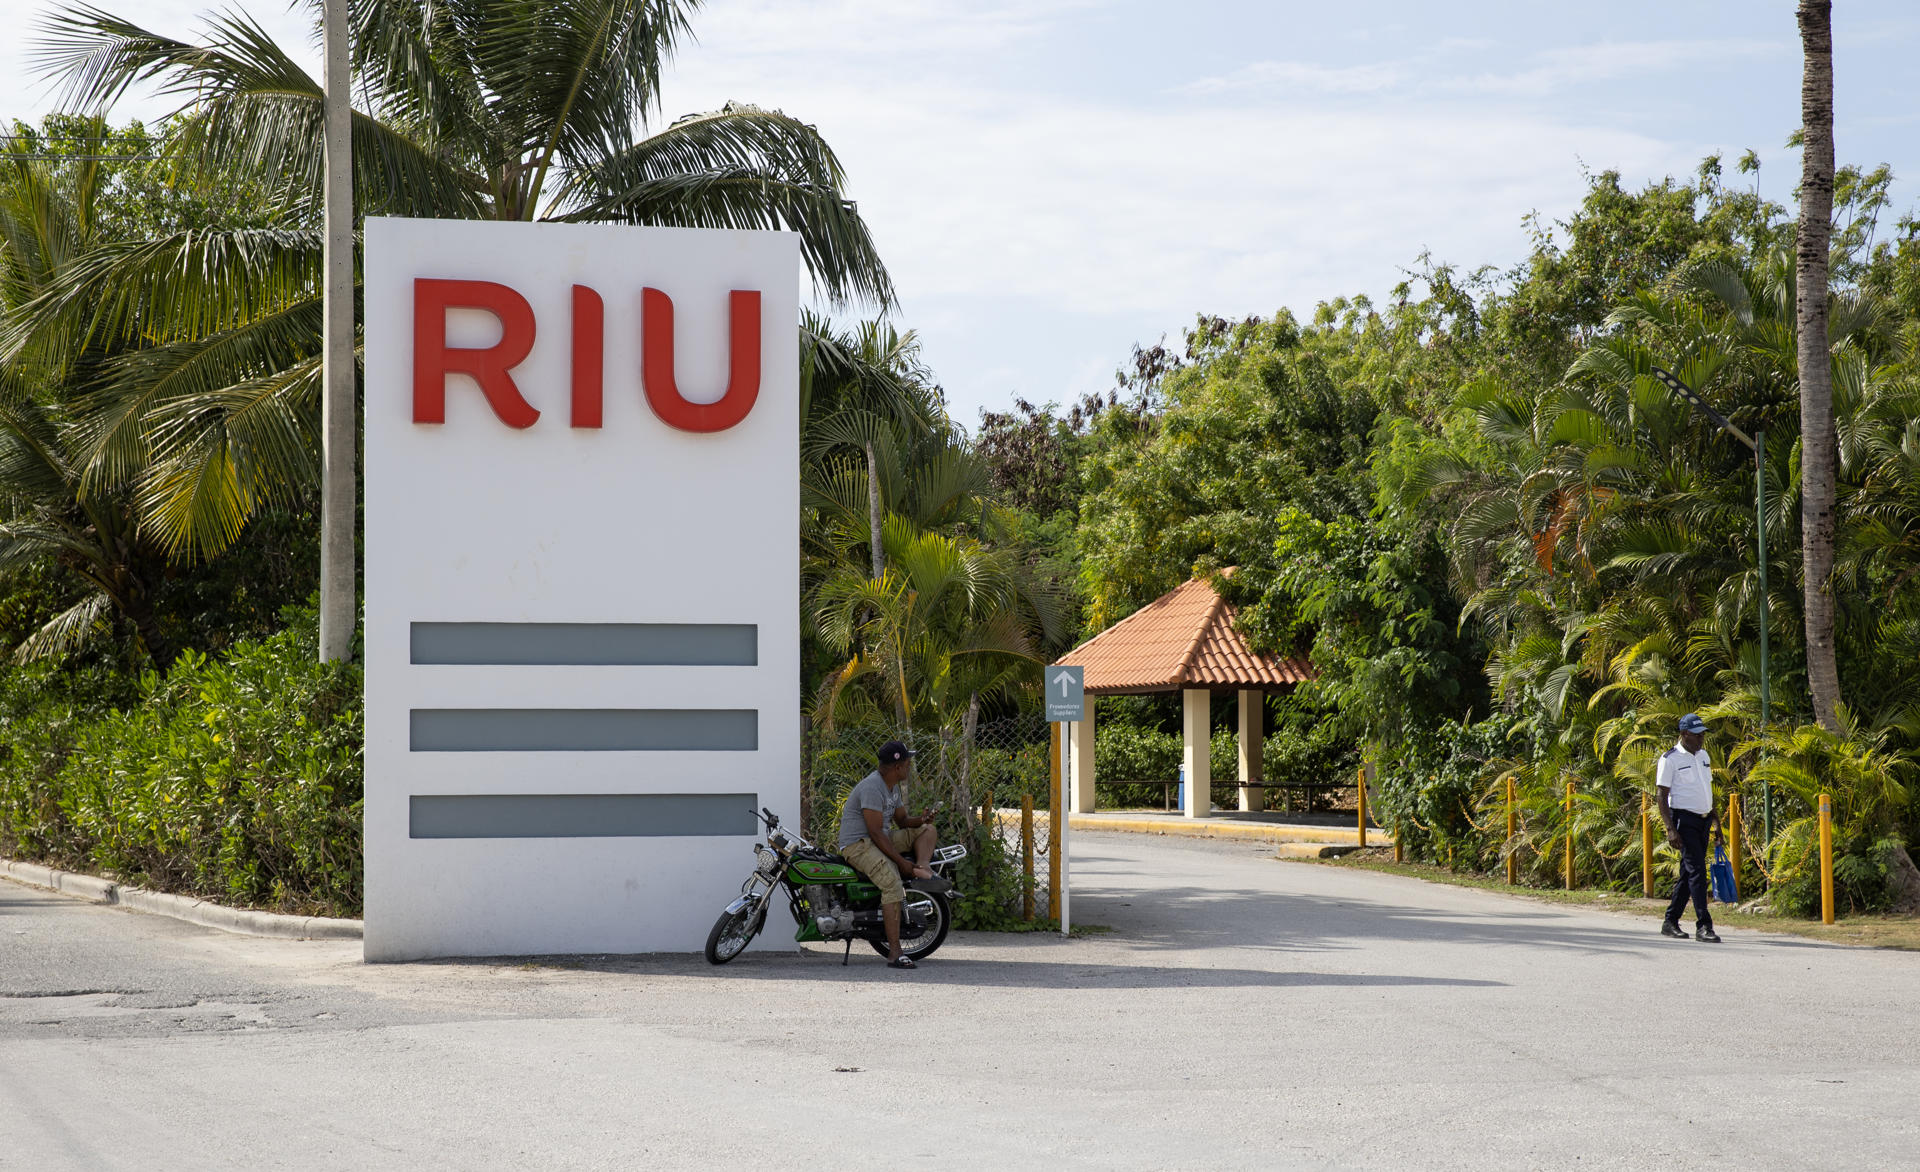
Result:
{"points": [[1687, 779]]}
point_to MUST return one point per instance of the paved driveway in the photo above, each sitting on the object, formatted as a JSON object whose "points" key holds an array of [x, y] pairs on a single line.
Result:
{"points": [[1244, 1013]]}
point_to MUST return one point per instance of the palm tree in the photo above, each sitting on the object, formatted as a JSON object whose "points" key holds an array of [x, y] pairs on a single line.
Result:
{"points": [[950, 620], [94, 536], [486, 109], [1817, 441], [48, 221], [858, 389]]}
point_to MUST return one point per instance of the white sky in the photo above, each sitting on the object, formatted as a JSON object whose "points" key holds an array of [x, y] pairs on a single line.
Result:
{"points": [[1051, 181]]}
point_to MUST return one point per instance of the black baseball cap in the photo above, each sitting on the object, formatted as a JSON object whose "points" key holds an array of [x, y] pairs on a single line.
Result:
{"points": [[894, 751], [1691, 723]]}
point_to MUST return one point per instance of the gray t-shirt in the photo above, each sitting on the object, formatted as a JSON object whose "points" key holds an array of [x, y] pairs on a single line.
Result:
{"points": [[871, 794]]}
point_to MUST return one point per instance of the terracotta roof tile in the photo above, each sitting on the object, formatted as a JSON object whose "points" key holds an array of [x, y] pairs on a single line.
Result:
{"points": [[1183, 639]]}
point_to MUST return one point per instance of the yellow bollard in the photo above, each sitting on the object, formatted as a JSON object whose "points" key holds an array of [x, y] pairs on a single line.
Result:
{"points": [[1513, 830], [1026, 857], [1646, 846], [1826, 859], [986, 813], [1361, 805], [1398, 834], [1569, 836], [1733, 835], [1055, 816]]}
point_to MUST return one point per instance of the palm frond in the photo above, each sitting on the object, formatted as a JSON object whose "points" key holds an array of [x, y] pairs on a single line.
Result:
{"points": [[739, 167], [65, 631]]}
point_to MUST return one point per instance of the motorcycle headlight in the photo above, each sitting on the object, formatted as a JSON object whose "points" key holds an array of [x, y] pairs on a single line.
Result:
{"points": [[768, 862]]}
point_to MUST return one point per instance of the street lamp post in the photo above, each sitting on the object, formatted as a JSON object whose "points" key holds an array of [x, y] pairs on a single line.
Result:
{"points": [[1757, 444]]}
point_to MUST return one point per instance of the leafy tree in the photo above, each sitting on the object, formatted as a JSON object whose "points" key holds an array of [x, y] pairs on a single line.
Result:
{"points": [[960, 619], [1035, 454], [948, 622], [1252, 424], [1373, 609]]}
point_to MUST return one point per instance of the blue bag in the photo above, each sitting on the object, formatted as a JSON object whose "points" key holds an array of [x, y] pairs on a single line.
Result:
{"points": [[1724, 888]]}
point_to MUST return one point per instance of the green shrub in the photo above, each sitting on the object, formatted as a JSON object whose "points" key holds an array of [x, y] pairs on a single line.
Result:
{"points": [[237, 779], [1865, 782], [1428, 791], [1130, 752]]}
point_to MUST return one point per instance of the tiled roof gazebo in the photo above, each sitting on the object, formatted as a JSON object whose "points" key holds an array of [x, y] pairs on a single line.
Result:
{"points": [[1184, 641]]}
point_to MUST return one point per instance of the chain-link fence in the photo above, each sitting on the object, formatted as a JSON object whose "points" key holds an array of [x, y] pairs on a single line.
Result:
{"points": [[980, 773]]}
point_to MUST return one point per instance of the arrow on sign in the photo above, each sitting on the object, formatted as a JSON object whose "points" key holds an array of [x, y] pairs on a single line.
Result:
{"points": [[1065, 680]]}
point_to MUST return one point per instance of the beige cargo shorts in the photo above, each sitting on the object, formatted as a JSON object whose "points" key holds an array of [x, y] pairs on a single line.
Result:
{"points": [[873, 862]]}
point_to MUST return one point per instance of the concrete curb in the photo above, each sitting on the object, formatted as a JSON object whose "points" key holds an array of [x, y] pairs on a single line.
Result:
{"points": [[1215, 828], [181, 907]]}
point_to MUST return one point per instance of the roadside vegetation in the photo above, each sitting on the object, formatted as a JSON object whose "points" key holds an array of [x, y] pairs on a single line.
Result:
{"points": [[1512, 554]]}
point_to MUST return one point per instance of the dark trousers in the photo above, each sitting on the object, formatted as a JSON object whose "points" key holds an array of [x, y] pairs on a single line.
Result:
{"points": [[1693, 869]]}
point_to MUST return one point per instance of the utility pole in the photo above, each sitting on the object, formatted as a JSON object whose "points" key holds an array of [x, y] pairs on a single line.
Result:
{"points": [[338, 426]]}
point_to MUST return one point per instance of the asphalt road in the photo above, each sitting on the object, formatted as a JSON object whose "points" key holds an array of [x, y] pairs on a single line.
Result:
{"points": [[1243, 1013]]}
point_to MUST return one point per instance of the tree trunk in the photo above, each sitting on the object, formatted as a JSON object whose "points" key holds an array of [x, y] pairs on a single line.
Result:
{"points": [[874, 511], [1903, 881], [158, 647], [963, 790], [874, 514], [1819, 449]]}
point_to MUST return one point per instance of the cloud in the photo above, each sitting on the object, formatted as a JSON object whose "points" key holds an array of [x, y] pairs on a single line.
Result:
{"points": [[1107, 208], [1049, 180], [26, 93], [1427, 71], [828, 32], [1302, 76], [1038, 229], [1558, 69]]}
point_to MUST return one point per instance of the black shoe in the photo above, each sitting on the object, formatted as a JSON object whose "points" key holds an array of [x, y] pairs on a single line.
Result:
{"points": [[1707, 934], [1669, 928]]}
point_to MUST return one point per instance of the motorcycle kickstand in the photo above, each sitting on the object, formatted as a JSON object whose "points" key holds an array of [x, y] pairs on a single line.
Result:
{"points": [[849, 953]]}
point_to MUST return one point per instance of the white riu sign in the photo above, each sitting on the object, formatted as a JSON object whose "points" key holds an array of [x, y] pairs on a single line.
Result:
{"points": [[582, 596]]}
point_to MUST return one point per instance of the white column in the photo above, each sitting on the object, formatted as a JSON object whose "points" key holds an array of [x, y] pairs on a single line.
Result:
{"points": [[1253, 711], [1197, 730], [339, 430], [1083, 771]]}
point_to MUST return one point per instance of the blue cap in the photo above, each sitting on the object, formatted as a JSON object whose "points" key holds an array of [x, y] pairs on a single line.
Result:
{"points": [[1692, 723]]}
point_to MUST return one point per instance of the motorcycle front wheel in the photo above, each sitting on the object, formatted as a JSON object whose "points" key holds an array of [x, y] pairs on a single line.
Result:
{"points": [[920, 943], [732, 932]]}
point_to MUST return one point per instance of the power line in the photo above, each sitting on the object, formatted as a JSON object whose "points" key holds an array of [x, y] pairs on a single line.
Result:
{"points": [[44, 137]]}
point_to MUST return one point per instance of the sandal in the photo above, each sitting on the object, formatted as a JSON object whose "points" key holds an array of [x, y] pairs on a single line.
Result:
{"points": [[902, 962]]}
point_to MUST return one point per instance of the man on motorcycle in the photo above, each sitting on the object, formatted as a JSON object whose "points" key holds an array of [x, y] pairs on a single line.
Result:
{"points": [[866, 843]]}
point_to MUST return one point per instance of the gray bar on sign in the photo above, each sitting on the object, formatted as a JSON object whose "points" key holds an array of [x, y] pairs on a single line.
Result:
{"points": [[547, 730], [587, 644], [580, 815]]}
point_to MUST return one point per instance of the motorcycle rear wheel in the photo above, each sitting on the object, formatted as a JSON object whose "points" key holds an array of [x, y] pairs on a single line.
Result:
{"points": [[923, 943], [732, 932]]}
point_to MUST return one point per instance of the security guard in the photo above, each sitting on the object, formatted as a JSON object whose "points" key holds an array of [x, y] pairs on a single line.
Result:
{"points": [[1685, 784]]}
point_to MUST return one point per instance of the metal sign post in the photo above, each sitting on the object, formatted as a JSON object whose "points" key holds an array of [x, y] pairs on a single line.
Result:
{"points": [[1066, 704], [1066, 826]]}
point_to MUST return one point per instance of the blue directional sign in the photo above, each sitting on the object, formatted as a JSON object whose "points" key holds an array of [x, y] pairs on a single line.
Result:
{"points": [[1066, 693]]}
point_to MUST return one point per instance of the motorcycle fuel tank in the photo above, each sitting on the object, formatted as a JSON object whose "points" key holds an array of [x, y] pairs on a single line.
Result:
{"points": [[814, 871]]}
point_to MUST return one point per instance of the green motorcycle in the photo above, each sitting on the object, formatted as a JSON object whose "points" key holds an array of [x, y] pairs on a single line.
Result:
{"points": [[830, 900]]}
